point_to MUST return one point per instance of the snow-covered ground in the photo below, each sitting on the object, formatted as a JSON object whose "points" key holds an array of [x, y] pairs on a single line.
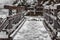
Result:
{"points": [[32, 30]]}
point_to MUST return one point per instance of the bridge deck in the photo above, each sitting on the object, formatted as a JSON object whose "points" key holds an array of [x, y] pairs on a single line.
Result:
{"points": [[32, 30]]}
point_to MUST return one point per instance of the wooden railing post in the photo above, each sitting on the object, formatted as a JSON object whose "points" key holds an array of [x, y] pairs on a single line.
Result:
{"points": [[10, 23], [10, 12]]}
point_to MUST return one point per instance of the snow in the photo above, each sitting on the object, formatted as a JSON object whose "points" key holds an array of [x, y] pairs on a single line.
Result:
{"points": [[32, 30], [31, 1], [6, 1], [4, 13]]}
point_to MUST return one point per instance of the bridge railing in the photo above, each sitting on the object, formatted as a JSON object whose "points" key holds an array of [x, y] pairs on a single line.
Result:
{"points": [[3, 24], [7, 24]]}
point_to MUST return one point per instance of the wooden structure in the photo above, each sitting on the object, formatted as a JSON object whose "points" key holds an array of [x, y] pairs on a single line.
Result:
{"points": [[12, 21], [52, 22], [17, 8]]}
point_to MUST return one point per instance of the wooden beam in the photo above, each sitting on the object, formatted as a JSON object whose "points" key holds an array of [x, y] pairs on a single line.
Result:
{"points": [[14, 7]]}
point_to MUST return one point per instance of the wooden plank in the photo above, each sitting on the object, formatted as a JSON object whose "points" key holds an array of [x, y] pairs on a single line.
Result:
{"points": [[14, 7]]}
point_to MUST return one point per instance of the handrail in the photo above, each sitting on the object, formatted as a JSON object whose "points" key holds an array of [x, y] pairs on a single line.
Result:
{"points": [[3, 22], [18, 25], [1, 26], [6, 22]]}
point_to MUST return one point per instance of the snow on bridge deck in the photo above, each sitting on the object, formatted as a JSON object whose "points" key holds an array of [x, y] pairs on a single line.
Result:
{"points": [[32, 30]]}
